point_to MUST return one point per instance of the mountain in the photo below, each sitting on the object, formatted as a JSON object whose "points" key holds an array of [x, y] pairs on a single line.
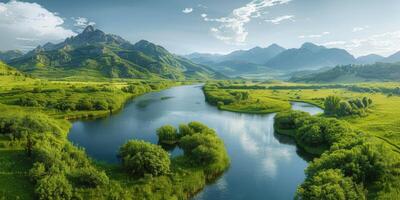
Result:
{"points": [[9, 55], [256, 55], [94, 53], [354, 73], [369, 59], [310, 56], [393, 58], [237, 68]]}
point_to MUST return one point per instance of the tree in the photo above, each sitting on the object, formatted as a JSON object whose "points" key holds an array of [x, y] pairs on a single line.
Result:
{"points": [[140, 158], [330, 185], [54, 187], [90, 177], [344, 109], [167, 134], [331, 105]]}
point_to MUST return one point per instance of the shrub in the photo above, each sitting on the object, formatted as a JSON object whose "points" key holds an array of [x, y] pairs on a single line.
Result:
{"points": [[90, 177], [167, 134], [330, 185], [140, 158], [55, 187]]}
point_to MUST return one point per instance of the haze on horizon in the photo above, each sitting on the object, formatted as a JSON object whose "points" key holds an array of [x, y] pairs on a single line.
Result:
{"points": [[359, 26]]}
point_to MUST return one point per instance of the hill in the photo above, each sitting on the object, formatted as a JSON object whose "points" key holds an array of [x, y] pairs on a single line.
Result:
{"points": [[369, 59], [9, 55], [393, 58], [94, 53], [310, 56], [354, 73], [256, 55]]}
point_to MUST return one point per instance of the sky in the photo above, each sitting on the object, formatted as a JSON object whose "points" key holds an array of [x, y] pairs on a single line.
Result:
{"points": [[209, 26]]}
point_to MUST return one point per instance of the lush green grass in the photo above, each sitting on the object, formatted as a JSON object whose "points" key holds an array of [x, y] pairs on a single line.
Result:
{"points": [[226, 99], [14, 168], [379, 128], [55, 152]]}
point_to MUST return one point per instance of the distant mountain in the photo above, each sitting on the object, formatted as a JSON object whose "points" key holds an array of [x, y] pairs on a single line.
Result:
{"points": [[94, 53], [354, 73], [369, 59], [255, 55], [239, 62], [9, 55], [237, 68], [393, 58], [310, 56]]}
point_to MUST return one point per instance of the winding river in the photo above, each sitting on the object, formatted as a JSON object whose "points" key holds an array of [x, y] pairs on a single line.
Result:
{"points": [[263, 164]]}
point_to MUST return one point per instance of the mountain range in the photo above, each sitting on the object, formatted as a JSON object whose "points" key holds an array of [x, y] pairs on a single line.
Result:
{"points": [[353, 73], [94, 53], [276, 58]]}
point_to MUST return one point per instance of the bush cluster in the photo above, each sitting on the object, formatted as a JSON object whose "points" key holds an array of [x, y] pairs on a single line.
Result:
{"points": [[336, 106], [349, 163]]}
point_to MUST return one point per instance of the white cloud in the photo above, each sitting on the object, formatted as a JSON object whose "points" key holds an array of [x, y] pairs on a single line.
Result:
{"points": [[82, 22], [204, 15], [383, 44], [361, 28], [187, 10], [232, 29], [314, 35], [25, 24], [278, 20]]}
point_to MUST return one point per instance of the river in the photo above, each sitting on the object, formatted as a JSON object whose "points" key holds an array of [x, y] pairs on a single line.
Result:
{"points": [[263, 165]]}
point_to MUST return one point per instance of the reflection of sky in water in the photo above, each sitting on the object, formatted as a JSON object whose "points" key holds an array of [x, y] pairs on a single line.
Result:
{"points": [[261, 166]]}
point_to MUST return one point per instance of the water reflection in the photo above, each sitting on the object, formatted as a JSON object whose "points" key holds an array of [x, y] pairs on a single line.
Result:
{"points": [[263, 165]]}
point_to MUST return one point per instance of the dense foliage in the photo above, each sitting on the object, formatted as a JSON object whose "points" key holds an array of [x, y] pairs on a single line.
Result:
{"points": [[140, 158], [315, 134], [336, 106], [350, 164], [201, 146]]}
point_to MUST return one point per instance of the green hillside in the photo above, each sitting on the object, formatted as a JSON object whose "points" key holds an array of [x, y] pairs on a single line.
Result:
{"points": [[354, 73], [95, 54]]}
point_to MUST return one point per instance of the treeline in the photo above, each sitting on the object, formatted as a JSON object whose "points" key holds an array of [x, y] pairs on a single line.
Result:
{"points": [[337, 107], [87, 98], [219, 97], [350, 167]]}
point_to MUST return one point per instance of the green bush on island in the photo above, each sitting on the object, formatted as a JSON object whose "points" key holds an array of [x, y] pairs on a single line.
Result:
{"points": [[204, 148], [201, 146], [167, 134], [140, 158], [335, 106]]}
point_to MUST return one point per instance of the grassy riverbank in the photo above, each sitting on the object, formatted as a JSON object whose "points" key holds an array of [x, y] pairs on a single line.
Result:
{"points": [[33, 143], [354, 140]]}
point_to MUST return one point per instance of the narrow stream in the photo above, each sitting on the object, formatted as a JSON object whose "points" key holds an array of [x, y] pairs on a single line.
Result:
{"points": [[263, 165]]}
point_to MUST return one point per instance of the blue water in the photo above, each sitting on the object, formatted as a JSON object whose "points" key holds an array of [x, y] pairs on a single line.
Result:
{"points": [[263, 164]]}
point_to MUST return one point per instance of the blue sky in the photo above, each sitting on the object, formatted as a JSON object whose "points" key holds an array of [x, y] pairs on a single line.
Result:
{"points": [[214, 26]]}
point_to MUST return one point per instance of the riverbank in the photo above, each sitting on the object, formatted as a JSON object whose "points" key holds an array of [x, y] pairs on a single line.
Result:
{"points": [[182, 183]]}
